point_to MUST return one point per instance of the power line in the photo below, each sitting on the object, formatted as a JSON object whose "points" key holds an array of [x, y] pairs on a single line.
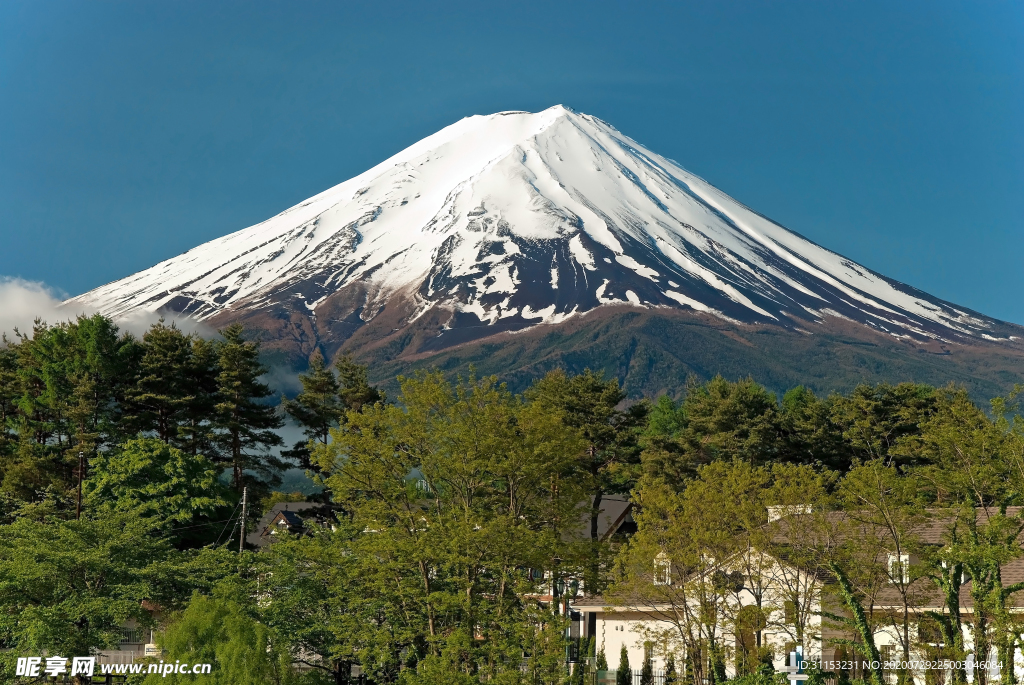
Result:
{"points": [[226, 526], [200, 525]]}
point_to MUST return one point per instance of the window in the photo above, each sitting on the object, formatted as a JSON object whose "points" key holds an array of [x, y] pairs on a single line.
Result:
{"points": [[899, 568], [662, 570], [790, 609], [888, 654]]}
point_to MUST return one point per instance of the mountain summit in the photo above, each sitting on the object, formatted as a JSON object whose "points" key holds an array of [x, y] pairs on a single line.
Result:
{"points": [[503, 222]]}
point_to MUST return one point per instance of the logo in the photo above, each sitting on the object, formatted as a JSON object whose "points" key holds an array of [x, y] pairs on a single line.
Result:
{"points": [[54, 666]]}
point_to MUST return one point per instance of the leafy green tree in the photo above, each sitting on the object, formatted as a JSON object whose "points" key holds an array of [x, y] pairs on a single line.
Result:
{"points": [[151, 478], [67, 587], [314, 596], [889, 507], [244, 423], [695, 551], [220, 631], [452, 493], [975, 466], [858, 621]]}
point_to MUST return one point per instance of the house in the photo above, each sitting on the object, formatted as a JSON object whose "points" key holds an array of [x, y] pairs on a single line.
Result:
{"points": [[288, 517], [762, 581], [791, 596]]}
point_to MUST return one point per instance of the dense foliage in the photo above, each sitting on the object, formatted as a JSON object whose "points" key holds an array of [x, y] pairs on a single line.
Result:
{"points": [[461, 520]]}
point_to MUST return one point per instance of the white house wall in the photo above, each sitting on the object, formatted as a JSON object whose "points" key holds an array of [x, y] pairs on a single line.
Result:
{"points": [[624, 626]]}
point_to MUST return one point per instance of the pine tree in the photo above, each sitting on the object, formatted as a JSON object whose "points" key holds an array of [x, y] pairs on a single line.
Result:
{"points": [[318, 408], [325, 399], [624, 674], [355, 391], [161, 394], [245, 426], [602, 660], [8, 397], [670, 670], [647, 672], [30, 466], [195, 431]]}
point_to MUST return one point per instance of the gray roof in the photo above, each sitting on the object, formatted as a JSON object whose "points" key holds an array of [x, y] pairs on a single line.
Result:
{"points": [[289, 514]]}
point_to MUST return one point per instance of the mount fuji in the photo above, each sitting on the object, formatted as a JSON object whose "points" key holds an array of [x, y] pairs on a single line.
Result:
{"points": [[518, 224]]}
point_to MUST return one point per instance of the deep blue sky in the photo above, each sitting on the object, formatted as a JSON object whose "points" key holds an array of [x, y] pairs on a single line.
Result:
{"points": [[890, 132]]}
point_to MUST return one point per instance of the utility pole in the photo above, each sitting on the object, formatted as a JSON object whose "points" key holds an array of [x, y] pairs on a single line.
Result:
{"points": [[245, 506], [81, 469]]}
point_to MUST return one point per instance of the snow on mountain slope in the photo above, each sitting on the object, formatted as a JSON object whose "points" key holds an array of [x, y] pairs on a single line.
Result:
{"points": [[515, 219]]}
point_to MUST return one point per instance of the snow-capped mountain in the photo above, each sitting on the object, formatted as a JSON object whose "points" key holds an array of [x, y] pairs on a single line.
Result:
{"points": [[506, 221]]}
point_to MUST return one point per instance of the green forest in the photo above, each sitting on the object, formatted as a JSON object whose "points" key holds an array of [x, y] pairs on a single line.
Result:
{"points": [[465, 517]]}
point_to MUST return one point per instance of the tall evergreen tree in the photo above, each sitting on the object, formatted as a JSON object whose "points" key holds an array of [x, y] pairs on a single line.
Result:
{"points": [[647, 672], [8, 397], [355, 392], [624, 674], [874, 419], [318, 408], [726, 420], [161, 393], [589, 404], [671, 678], [325, 398], [195, 428], [68, 378], [245, 425], [809, 435], [102, 368], [31, 465]]}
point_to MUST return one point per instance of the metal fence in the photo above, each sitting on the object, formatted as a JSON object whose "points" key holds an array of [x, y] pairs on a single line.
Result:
{"points": [[132, 636], [610, 678]]}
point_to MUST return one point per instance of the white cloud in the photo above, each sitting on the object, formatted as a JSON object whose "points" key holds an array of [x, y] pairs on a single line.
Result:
{"points": [[22, 302]]}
